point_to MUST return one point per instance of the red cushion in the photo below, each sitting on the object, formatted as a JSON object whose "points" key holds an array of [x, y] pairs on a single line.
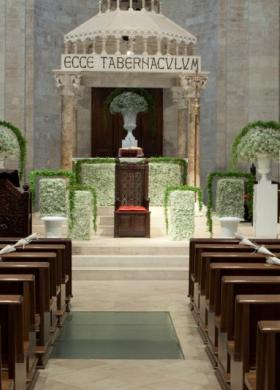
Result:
{"points": [[132, 209]]}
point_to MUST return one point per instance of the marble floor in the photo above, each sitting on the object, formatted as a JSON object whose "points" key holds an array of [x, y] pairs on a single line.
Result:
{"points": [[193, 373]]}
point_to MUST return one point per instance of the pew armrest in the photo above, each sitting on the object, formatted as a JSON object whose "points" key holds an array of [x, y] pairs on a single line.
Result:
{"points": [[251, 380]]}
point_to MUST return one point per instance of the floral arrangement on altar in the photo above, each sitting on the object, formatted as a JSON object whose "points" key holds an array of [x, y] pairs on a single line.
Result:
{"points": [[230, 198], [181, 215], [128, 102], [82, 225], [257, 139], [53, 197]]}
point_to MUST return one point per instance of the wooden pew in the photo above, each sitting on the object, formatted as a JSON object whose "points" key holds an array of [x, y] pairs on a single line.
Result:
{"points": [[224, 324], [60, 268], [207, 259], [266, 376], [54, 284], [67, 256], [24, 285], [13, 350], [250, 309], [43, 301], [197, 245], [217, 274]]}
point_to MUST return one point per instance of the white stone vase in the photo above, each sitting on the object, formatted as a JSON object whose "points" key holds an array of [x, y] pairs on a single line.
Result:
{"points": [[129, 125], [263, 166], [229, 226], [53, 226]]}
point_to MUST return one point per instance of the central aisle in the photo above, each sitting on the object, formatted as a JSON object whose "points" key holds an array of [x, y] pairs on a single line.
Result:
{"points": [[193, 373]]}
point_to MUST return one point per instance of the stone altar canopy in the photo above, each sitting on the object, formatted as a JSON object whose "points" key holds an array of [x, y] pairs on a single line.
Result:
{"points": [[130, 43]]}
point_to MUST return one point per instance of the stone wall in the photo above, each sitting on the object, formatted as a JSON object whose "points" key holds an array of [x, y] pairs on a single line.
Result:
{"points": [[237, 39]]}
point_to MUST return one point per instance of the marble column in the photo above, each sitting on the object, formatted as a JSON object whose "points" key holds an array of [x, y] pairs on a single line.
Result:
{"points": [[180, 98], [71, 90]]}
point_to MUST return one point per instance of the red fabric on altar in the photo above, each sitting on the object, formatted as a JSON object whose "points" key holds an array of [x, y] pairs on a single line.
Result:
{"points": [[132, 209]]}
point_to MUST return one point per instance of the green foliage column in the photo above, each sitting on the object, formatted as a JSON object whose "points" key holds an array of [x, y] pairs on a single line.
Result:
{"points": [[82, 224], [53, 197], [230, 198], [181, 215]]}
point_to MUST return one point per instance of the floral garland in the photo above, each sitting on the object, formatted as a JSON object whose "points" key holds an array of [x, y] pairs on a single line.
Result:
{"points": [[181, 215], [250, 192], [21, 142], [168, 192], [240, 149], [127, 102], [230, 198]]}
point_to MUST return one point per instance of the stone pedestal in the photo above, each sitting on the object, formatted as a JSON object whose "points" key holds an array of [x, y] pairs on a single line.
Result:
{"points": [[265, 209]]}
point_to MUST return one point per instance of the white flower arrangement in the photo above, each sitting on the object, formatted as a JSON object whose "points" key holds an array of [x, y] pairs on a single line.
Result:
{"points": [[161, 176], [259, 141], [128, 102], [9, 146], [181, 213], [102, 177], [82, 216], [230, 198], [53, 197]]}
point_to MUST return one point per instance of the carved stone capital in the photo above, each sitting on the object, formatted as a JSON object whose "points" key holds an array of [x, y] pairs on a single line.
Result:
{"points": [[69, 84], [180, 97], [194, 83]]}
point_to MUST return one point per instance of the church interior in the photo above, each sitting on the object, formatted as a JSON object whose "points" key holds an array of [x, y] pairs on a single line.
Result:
{"points": [[139, 194]]}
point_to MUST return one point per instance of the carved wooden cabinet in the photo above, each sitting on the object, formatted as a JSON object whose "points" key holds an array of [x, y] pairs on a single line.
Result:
{"points": [[15, 210], [132, 215]]}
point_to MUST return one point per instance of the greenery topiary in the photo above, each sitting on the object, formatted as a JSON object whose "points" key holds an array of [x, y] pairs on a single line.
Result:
{"points": [[86, 188], [49, 173], [171, 189], [230, 198], [250, 180], [181, 215], [21, 142], [81, 226], [53, 197], [256, 138]]}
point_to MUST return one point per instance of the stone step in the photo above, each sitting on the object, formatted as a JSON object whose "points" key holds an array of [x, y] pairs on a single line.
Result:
{"points": [[107, 220], [140, 273], [108, 231], [156, 261], [128, 250]]}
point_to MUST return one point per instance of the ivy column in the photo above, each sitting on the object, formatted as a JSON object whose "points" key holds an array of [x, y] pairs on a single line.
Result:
{"points": [[71, 90], [180, 97], [192, 84]]}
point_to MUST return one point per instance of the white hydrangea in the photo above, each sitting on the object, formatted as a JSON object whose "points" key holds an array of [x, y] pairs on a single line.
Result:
{"points": [[230, 198], [82, 216], [161, 176], [102, 177], [259, 141], [9, 146], [181, 214], [53, 197]]}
